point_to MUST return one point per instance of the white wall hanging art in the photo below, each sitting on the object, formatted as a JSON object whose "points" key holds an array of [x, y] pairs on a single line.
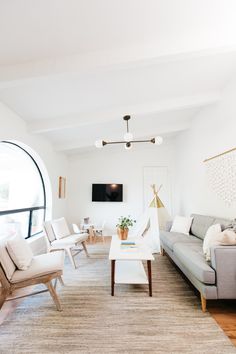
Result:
{"points": [[221, 175]]}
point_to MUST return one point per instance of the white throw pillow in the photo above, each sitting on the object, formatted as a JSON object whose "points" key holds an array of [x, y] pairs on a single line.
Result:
{"points": [[60, 228], [182, 224], [224, 238], [211, 234], [19, 251], [5, 259]]}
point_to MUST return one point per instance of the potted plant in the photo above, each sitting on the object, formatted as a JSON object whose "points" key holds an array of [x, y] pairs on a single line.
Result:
{"points": [[124, 222]]}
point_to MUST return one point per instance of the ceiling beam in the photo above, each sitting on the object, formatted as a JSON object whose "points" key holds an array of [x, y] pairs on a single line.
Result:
{"points": [[14, 75], [86, 119]]}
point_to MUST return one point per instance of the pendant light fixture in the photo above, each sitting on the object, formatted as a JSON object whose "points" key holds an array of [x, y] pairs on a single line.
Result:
{"points": [[128, 138]]}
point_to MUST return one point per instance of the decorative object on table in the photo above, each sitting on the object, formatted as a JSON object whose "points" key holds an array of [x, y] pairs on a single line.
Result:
{"points": [[128, 138], [62, 187], [86, 220], [221, 175], [128, 245], [124, 222]]}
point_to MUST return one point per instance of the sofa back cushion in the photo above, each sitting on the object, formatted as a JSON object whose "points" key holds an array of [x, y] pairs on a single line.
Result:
{"points": [[223, 222], [49, 231], [201, 224]]}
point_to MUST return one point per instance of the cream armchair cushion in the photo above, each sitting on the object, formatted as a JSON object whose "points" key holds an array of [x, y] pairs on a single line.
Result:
{"points": [[70, 240], [41, 265], [60, 228], [19, 251], [5, 260]]}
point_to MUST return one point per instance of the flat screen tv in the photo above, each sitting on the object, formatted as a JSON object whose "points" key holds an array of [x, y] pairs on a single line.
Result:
{"points": [[107, 192]]}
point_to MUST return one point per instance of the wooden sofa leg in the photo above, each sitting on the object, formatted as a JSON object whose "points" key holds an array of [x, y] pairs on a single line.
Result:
{"points": [[162, 251], [204, 303]]}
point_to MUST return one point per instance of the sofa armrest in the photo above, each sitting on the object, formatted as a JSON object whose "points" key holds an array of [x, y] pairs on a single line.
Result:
{"points": [[223, 260]]}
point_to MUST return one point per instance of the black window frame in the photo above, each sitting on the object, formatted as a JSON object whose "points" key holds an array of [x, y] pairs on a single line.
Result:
{"points": [[29, 209]]}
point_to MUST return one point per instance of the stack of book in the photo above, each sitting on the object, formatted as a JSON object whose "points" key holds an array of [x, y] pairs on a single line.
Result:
{"points": [[128, 245]]}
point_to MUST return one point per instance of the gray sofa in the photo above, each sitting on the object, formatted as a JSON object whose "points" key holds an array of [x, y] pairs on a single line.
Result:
{"points": [[215, 279]]}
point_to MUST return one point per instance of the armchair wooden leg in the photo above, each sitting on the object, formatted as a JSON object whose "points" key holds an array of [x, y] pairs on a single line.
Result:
{"points": [[69, 252], [85, 249], [55, 284], [203, 303], [3, 297], [54, 295], [61, 280]]}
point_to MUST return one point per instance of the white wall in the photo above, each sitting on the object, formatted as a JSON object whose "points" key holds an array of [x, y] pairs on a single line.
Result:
{"points": [[14, 128], [112, 165], [213, 131]]}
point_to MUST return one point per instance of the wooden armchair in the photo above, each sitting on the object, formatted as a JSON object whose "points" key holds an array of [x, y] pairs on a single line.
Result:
{"points": [[60, 237], [43, 269]]}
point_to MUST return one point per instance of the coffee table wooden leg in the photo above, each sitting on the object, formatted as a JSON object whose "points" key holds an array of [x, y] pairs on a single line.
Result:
{"points": [[149, 277], [112, 277]]}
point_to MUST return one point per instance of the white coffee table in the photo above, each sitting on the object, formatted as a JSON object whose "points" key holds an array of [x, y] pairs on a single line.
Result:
{"points": [[127, 266]]}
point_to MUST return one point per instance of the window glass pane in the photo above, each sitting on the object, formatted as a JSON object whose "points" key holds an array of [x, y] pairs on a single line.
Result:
{"points": [[37, 221], [14, 223], [20, 182]]}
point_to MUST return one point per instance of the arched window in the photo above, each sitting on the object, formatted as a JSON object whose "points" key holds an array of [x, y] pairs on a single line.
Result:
{"points": [[22, 192]]}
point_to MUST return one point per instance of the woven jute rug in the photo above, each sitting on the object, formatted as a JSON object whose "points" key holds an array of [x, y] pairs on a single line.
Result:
{"points": [[130, 322]]}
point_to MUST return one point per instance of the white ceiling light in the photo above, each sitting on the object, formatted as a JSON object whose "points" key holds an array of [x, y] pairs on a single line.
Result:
{"points": [[128, 146], [158, 140], [128, 138]]}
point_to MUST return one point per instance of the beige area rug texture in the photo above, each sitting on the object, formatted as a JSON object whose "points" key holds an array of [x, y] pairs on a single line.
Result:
{"points": [[130, 322]]}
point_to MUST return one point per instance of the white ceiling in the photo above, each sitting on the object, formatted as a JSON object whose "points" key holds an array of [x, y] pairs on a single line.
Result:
{"points": [[71, 69]]}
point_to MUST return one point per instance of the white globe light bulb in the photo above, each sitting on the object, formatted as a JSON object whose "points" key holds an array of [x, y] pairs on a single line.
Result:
{"points": [[98, 144], [158, 140], [128, 137]]}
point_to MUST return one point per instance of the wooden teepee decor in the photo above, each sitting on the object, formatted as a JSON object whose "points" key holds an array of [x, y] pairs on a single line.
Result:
{"points": [[163, 215]]}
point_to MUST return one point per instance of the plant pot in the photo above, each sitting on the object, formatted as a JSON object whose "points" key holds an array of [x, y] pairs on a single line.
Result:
{"points": [[122, 233]]}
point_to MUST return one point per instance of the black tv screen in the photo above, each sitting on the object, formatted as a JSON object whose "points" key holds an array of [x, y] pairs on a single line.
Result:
{"points": [[107, 192]]}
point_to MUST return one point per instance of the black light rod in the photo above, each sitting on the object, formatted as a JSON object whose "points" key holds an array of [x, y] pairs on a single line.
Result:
{"points": [[125, 142]]}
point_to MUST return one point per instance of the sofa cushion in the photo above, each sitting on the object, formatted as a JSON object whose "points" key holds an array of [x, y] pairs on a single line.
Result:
{"points": [[49, 231], [60, 228], [192, 257], [170, 238], [19, 251], [69, 240], [41, 265], [211, 234], [201, 224], [181, 224], [5, 259]]}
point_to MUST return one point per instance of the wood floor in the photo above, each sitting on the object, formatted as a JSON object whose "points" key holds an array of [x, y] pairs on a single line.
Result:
{"points": [[224, 312]]}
